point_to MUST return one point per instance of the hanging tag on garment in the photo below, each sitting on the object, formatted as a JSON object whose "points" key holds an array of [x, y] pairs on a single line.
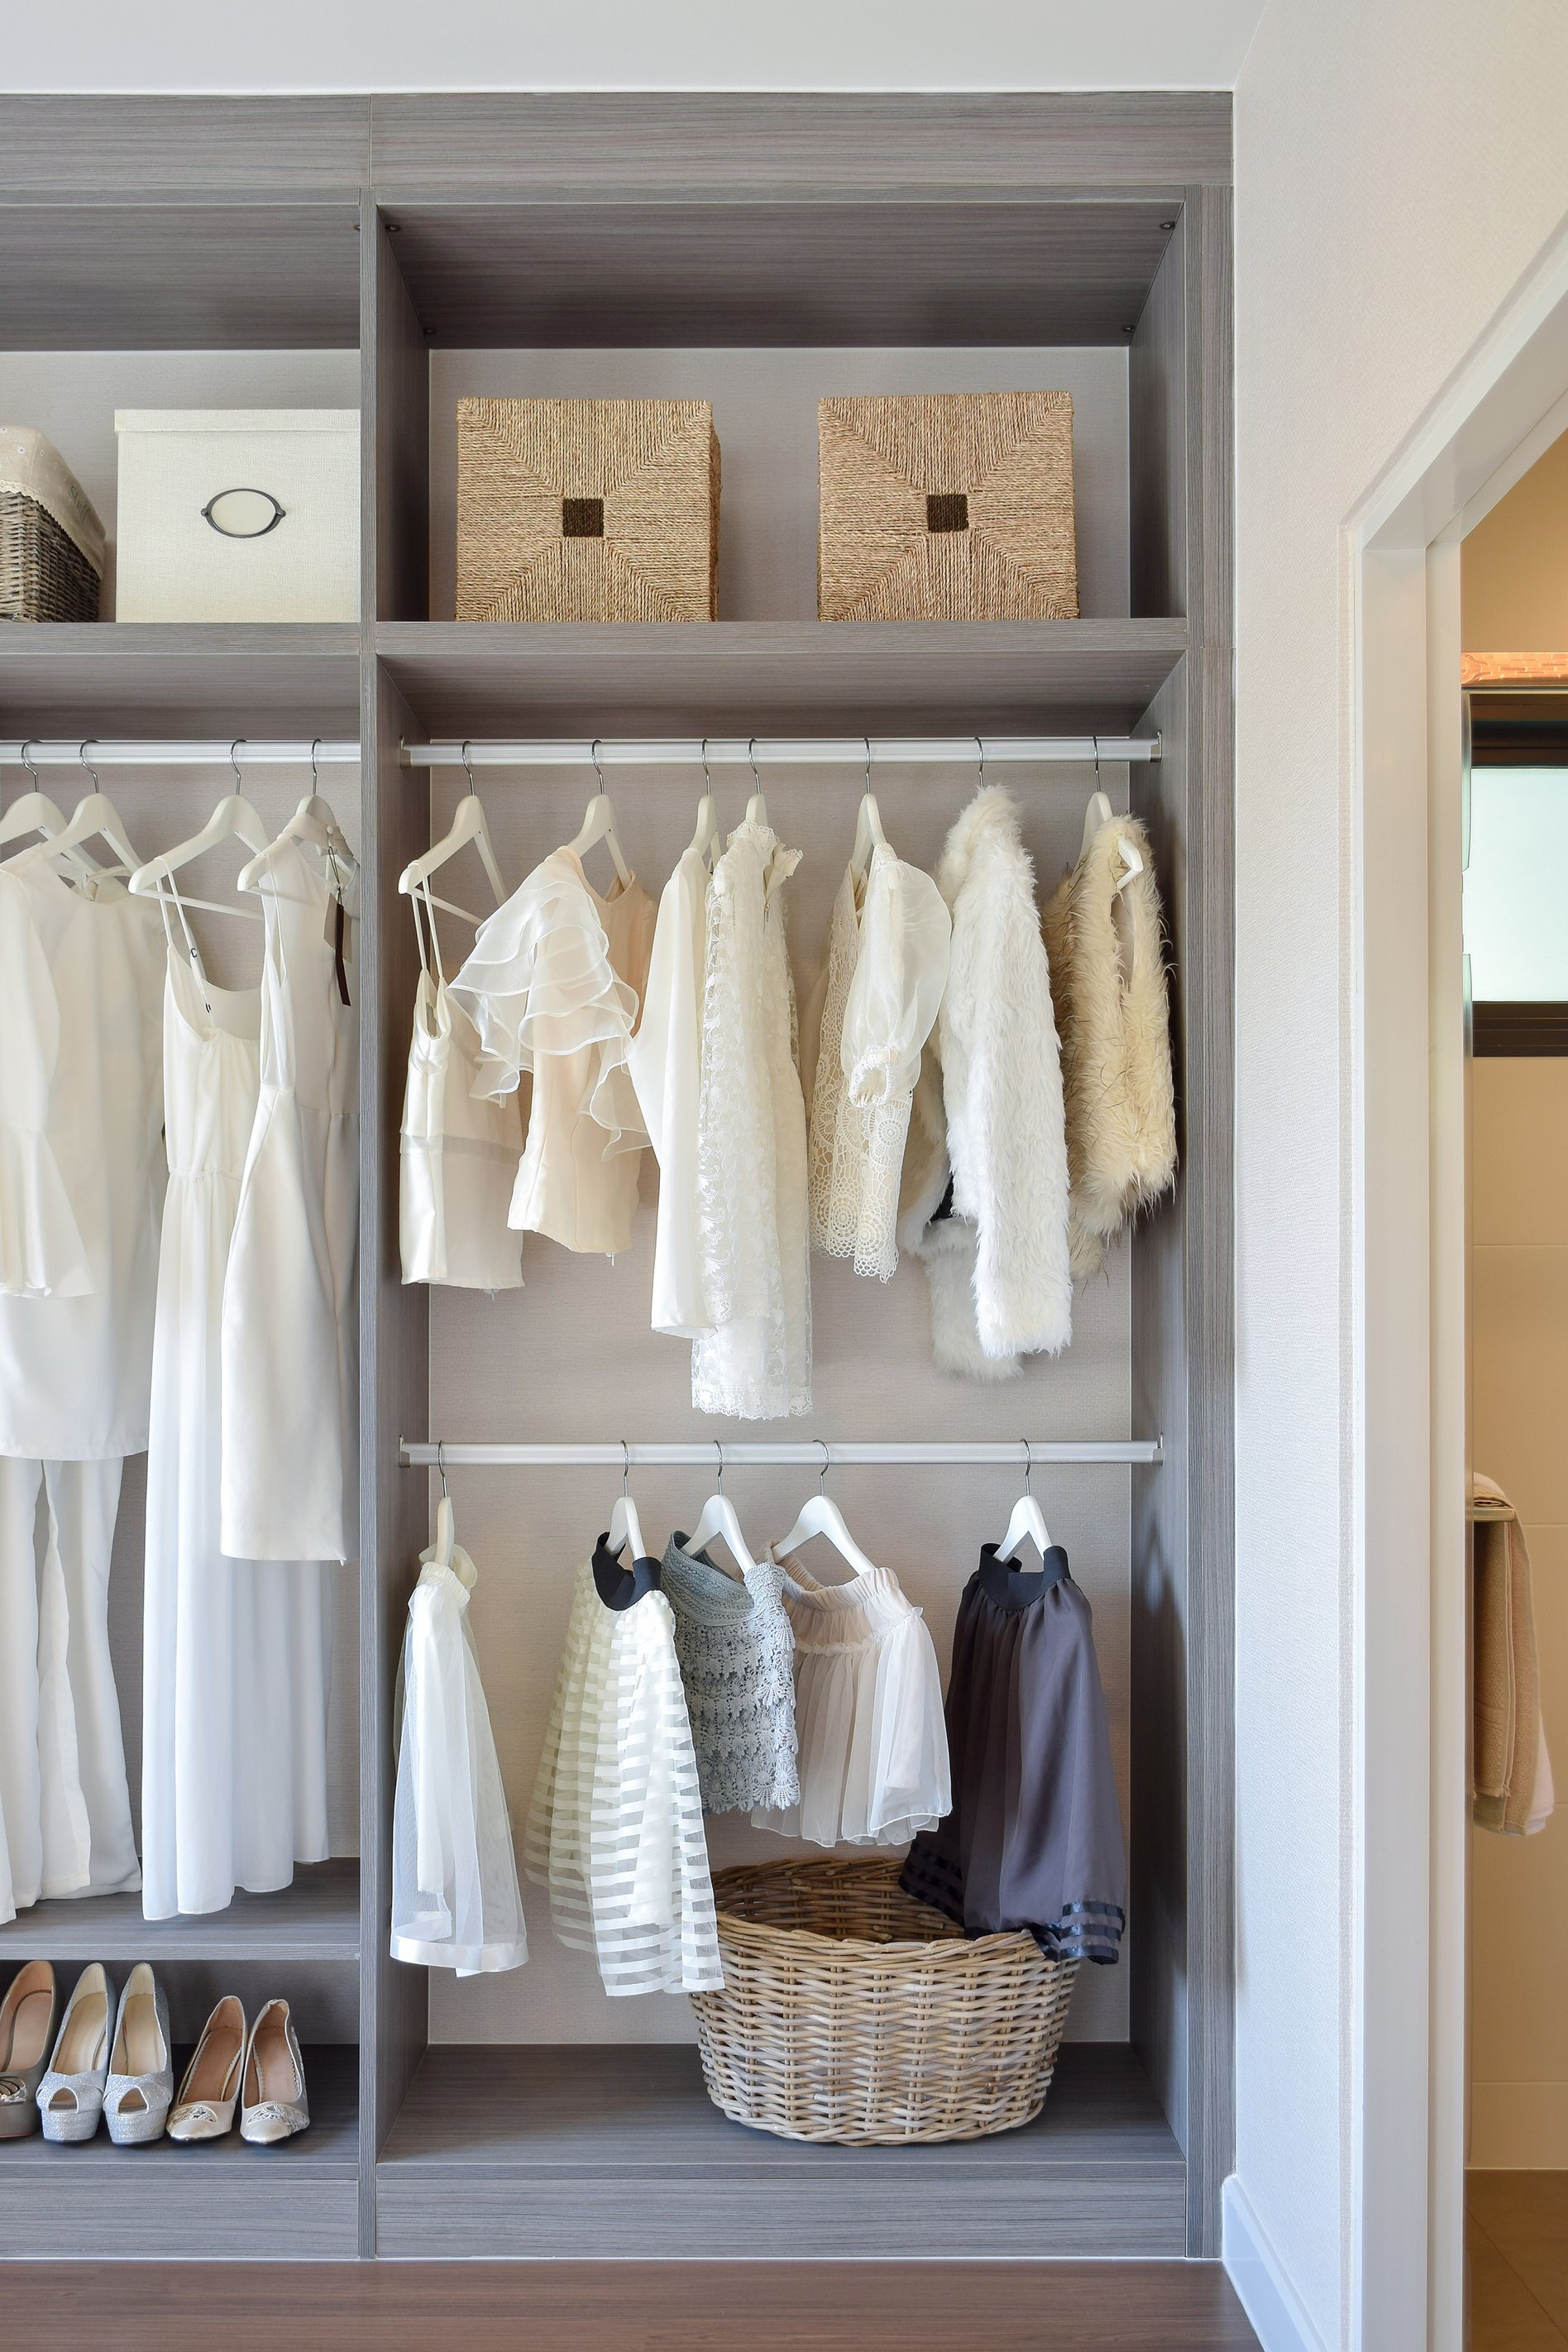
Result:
{"points": [[337, 936]]}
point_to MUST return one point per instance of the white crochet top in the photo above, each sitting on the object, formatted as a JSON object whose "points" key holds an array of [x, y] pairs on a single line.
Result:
{"points": [[737, 1661]]}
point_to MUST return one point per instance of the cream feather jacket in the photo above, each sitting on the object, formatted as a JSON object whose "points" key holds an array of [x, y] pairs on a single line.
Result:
{"points": [[984, 1195], [1107, 980]]}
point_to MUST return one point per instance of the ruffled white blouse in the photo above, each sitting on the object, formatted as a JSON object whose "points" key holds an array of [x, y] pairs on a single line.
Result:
{"points": [[871, 1739], [455, 1899], [553, 987], [873, 1009], [459, 1151]]}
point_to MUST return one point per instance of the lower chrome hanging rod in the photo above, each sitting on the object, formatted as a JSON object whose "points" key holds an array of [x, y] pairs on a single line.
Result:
{"points": [[816, 1453], [250, 753], [816, 750]]}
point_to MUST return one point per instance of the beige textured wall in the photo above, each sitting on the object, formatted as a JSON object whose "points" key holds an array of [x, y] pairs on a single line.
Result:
{"points": [[1514, 577], [1518, 1887]]}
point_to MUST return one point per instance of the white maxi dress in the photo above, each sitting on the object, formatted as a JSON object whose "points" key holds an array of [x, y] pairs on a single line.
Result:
{"points": [[236, 1653], [290, 1404], [80, 1184]]}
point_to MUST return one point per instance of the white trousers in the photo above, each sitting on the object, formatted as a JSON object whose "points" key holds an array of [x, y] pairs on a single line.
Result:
{"points": [[65, 1805]]}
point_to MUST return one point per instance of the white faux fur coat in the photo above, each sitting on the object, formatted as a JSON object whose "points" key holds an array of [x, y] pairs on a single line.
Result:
{"points": [[1108, 978], [989, 1116]]}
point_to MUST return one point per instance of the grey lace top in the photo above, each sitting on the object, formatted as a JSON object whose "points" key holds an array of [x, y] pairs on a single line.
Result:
{"points": [[736, 1660]]}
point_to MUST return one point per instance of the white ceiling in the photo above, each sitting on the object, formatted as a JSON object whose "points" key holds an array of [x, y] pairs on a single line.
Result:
{"points": [[345, 45]]}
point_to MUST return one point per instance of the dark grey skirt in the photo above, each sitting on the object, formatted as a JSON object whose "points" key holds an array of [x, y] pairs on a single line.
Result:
{"points": [[1034, 1840]]}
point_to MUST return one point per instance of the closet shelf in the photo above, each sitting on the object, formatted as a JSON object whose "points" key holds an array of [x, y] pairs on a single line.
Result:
{"points": [[785, 677], [138, 678], [619, 2151], [225, 2199], [317, 1919]]}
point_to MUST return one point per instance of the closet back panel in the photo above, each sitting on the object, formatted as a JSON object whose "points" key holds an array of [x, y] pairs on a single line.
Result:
{"points": [[765, 414], [161, 807], [572, 1357]]}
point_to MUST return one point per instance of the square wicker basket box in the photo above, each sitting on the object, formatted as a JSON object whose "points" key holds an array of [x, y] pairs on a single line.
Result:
{"points": [[587, 511], [953, 506]]}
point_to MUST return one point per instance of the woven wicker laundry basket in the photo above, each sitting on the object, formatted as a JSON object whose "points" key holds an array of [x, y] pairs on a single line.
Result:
{"points": [[51, 543], [587, 511], [853, 2014], [947, 507]]}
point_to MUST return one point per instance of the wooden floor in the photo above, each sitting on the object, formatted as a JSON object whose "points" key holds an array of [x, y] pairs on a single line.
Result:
{"points": [[622, 2306], [1516, 2237]]}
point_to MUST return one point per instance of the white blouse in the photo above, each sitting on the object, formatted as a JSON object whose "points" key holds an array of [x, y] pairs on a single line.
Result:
{"points": [[455, 1899], [666, 1067], [81, 1163], [868, 1708], [553, 986], [882, 987], [614, 1829], [754, 1360], [459, 1151]]}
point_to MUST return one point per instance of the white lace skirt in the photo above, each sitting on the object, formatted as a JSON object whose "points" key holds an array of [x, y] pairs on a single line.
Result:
{"points": [[868, 1719], [614, 1829]]}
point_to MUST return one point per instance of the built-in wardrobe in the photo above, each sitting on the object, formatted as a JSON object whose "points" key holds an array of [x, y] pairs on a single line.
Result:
{"points": [[761, 252]]}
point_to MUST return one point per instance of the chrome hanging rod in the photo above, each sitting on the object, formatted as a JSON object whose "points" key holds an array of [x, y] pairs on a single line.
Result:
{"points": [[815, 1453], [793, 751], [251, 751]]}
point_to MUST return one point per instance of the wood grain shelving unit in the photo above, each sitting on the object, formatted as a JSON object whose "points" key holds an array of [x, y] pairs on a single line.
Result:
{"points": [[403, 224]]}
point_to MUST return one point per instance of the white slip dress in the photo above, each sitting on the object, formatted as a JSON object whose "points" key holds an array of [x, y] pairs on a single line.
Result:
{"points": [[665, 1067], [236, 1653], [614, 1829], [454, 1898], [872, 1741], [459, 1151], [290, 1402]]}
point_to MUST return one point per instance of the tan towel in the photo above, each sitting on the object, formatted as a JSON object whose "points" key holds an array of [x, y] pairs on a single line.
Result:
{"points": [[1507, 1686]]}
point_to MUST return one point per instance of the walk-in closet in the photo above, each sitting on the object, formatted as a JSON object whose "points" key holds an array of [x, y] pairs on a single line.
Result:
{"points": [[401, 255]]}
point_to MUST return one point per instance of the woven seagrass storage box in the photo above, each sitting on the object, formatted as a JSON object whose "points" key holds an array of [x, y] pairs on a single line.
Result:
{"points": [[954, 506], [51, 542], [587, 511], [853, 2014]]}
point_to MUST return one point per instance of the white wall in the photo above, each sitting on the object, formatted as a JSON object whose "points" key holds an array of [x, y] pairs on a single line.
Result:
{"points": [[1398, 169], [919, 45]]}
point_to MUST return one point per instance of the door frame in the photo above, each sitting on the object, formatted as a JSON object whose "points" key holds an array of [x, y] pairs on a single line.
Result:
{"points": [[1404, 1442]]}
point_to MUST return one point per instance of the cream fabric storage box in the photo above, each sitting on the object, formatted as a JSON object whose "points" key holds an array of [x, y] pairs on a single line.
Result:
{"points": [[237, 514]]}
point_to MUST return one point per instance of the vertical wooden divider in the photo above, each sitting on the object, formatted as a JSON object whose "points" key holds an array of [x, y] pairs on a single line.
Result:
{"points": [[394, 1352]]}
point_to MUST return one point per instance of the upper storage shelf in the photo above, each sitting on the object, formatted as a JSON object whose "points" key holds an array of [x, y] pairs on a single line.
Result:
{"points": [[583, 274], [177, 678], [179, 277], [485, 679]]}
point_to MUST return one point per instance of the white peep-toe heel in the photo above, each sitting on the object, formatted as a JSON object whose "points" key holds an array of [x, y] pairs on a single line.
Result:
{"points": [[141, 2064], [70, 2096]]}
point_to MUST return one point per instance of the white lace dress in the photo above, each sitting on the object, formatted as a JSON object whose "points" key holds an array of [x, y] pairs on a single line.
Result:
{"points": [[753, 1361], [552, 985], [459, 1151], [614, 1829], [879, 996], [868, 1719], [455, 1899]]}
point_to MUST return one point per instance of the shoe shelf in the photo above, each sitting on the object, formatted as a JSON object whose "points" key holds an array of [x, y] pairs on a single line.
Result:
{"points": [[315, 1919], [219, 2198], [477, 677], [579, 2152]]}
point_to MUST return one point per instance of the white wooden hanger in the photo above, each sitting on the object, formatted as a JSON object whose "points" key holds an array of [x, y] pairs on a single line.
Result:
{"points": [[95, 818], [469, 825], [719, 1519], [1028, 1519], [234, 816], [821, 1517], [707, 832], [868, 834], [599, 824], [1100, 813], [625, 1525], [756, 807], [36, 812], [314, 823]]}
